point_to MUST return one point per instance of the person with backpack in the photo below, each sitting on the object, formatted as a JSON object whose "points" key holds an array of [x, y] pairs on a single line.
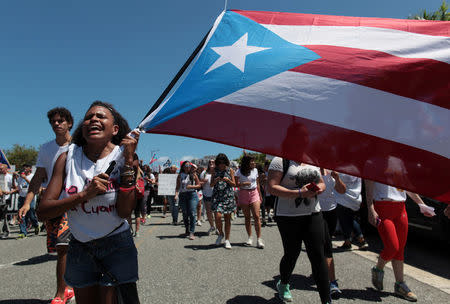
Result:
{"points": [[298, 216]]}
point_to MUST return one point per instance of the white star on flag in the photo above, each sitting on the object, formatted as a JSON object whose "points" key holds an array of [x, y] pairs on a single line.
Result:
{"points": [[234, 54]]}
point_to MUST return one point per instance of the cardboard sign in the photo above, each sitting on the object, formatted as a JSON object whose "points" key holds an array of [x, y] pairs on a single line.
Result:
{"points": [[167, 184]]}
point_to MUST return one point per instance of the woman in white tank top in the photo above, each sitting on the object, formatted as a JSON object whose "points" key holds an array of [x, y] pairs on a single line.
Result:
{"points": [[102, 252]]}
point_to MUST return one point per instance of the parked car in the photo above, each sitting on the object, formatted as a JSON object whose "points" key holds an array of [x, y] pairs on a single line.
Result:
{"points": [[437, 227]]}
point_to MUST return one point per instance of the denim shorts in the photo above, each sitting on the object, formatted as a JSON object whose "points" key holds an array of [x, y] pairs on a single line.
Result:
{"points": [[117, 253]]}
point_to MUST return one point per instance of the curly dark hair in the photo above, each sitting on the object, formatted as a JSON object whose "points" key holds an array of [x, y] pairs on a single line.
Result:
{"points": [[222, 158], [124, 128], [245, 167], [63, 112]]}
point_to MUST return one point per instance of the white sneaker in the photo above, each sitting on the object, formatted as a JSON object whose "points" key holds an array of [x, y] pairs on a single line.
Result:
{"points": [[219, 240], [227, 244], [249, 242], [199, 223], [260, 243]]}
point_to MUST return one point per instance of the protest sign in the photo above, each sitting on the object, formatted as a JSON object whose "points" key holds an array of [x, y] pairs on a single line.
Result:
{"points": [[167, 184]]}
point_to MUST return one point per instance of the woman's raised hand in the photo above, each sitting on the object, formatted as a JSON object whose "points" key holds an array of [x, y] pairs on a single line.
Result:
{"points": [[129, 143]]}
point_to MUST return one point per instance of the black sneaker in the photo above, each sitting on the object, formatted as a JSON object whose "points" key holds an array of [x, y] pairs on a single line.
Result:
{"points": [[346, 246], [335, 292], [362, 245]]}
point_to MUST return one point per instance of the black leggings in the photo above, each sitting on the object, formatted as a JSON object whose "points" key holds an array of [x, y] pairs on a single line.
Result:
{"points": [[330, 220], [310, 229]]}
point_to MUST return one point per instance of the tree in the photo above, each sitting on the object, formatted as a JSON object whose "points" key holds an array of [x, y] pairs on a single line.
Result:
{"points": [[20, 155], [441, 14]]}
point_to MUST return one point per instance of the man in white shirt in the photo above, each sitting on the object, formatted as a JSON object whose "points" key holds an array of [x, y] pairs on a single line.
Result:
{"points": [[5, 197], [58, 233]]}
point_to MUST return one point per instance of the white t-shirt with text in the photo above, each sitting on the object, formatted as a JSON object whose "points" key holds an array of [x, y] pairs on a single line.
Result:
{"points": [[96, 217]]}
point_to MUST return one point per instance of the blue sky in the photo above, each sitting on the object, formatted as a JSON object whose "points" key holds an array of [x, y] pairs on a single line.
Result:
{"points": [[70, 53]]}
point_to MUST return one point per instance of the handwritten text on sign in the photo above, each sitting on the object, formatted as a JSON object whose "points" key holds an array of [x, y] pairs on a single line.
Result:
{"points": [[167, 184]]}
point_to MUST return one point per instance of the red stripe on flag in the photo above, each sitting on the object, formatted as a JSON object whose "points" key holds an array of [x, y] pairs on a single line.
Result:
{"points": [[426, 27], [309, 141], [421, 79]]}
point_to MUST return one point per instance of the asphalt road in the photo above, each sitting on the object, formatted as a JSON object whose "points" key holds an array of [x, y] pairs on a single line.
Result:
{"points": [[173, 269]]}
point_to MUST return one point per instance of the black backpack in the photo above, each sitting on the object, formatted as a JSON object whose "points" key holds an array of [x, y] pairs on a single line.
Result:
{"points": [[285, 168], [286, 163]]}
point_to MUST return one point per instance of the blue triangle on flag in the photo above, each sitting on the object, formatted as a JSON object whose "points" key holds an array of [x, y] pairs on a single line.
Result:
{"points": [[220, 71], [4, 160]]}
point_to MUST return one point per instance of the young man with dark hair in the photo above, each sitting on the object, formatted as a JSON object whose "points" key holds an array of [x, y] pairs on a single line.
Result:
{"points": [[58, 233]]}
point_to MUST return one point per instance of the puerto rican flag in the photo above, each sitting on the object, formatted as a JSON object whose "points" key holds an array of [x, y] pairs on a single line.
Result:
{"points": [[364, 96], [4, 159]]}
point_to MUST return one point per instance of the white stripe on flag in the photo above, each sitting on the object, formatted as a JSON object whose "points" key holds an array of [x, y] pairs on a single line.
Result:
{"points": [[394, 42], [351, 106]]}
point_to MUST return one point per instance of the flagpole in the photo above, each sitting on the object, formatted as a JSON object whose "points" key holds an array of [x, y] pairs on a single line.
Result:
{"points": [[177, 76]]}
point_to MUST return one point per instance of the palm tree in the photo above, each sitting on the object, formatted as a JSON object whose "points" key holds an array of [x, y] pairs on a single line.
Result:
{"points": [[441, 14]]}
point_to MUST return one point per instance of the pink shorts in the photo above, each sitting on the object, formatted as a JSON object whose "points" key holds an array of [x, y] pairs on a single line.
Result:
{"points": [[246, 197]]}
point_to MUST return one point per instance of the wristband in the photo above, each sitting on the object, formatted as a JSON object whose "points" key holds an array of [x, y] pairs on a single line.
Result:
{"points": [[300, 193], [129, 189]]}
